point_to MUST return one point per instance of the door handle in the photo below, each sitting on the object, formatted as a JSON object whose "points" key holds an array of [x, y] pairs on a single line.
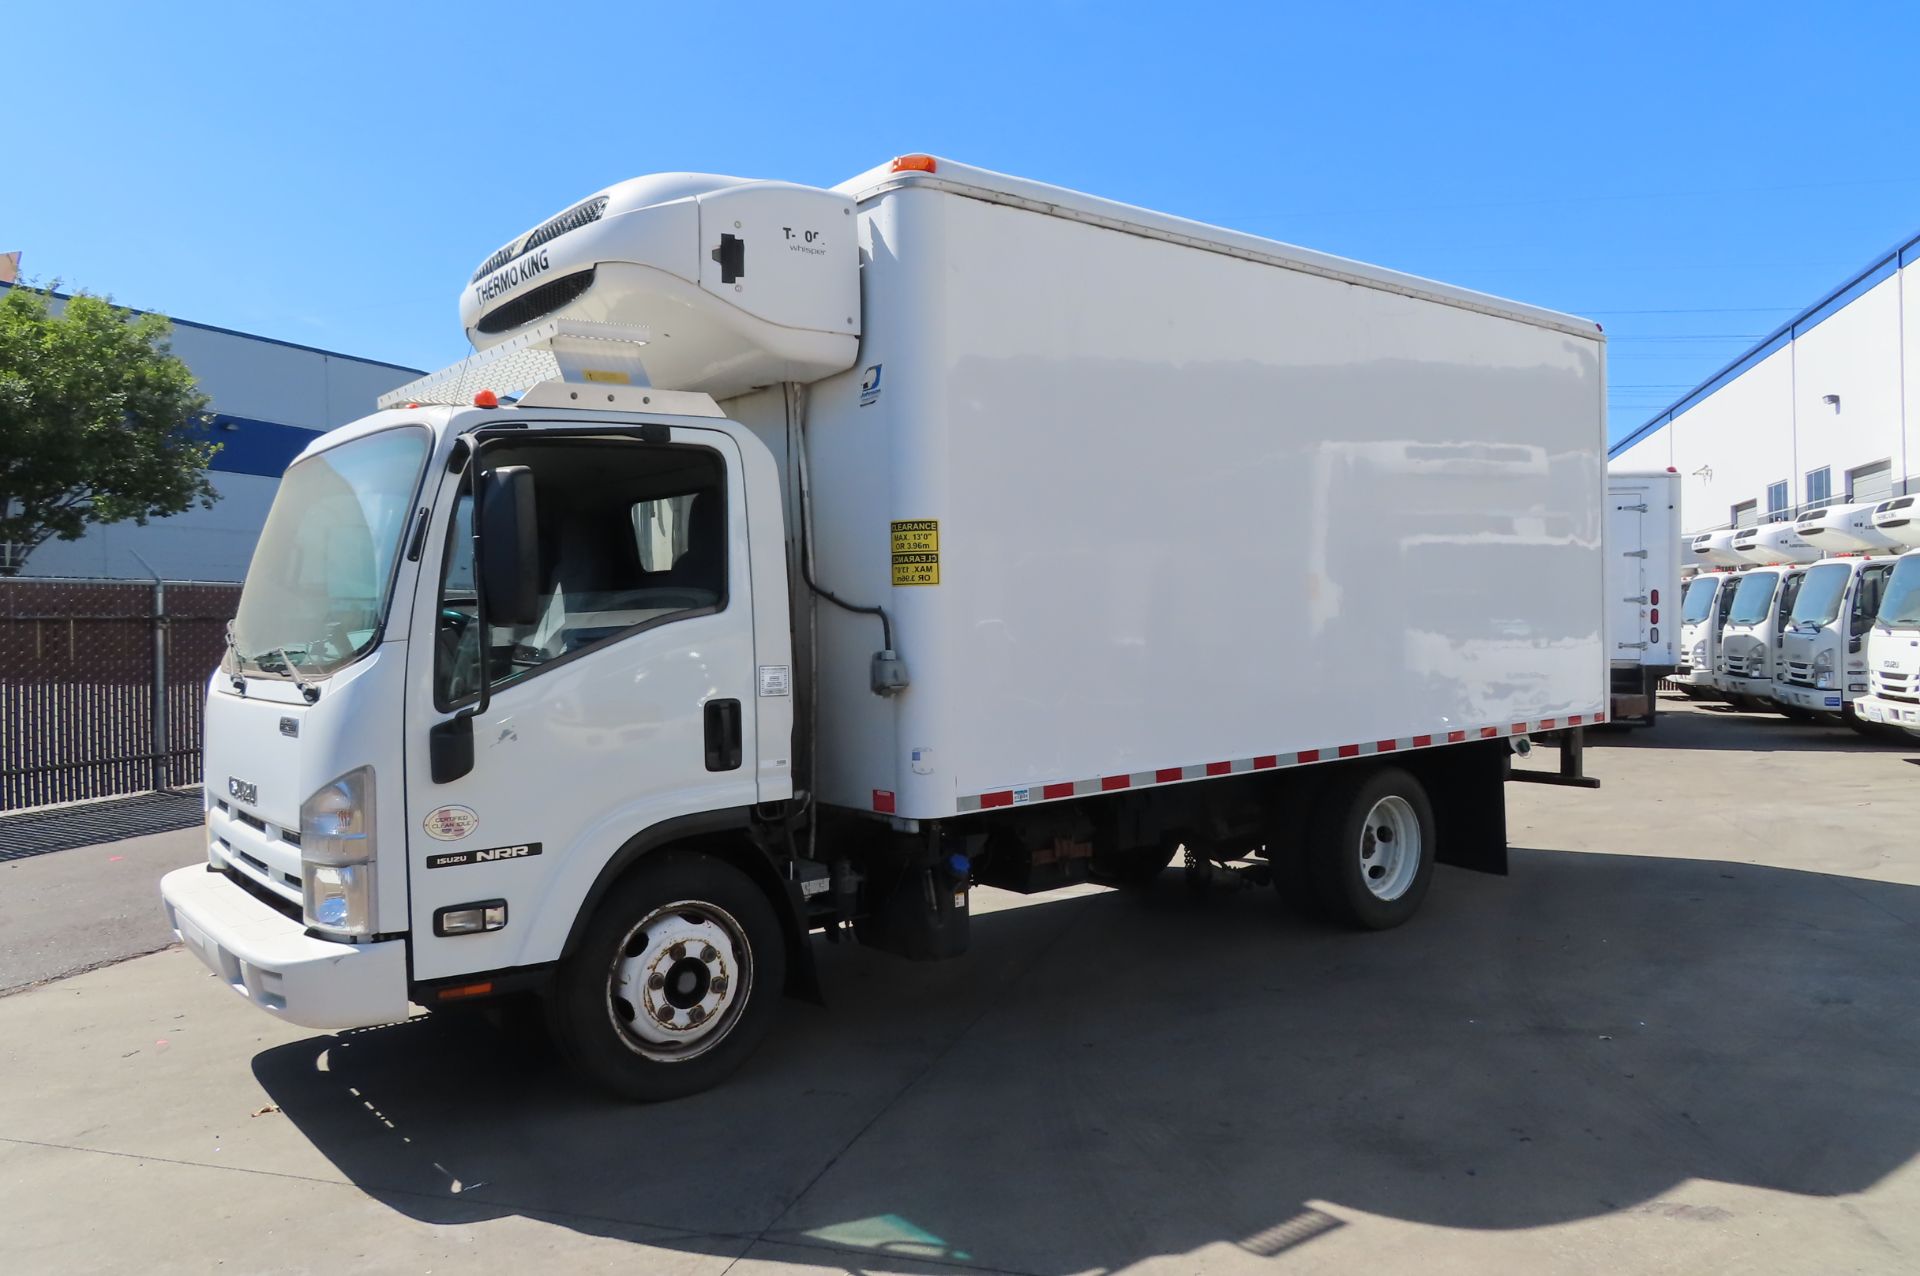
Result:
{"points": [[723, 735]]}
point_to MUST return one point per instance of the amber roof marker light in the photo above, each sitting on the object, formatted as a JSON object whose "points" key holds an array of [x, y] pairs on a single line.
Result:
{"points": [[915, 164]]}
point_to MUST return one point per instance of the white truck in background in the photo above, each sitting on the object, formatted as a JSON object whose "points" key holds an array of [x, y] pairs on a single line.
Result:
{"points": [[1643, 578], [1823, 667], [1763, 596], [1892, 647], [1704, 607], [790, 560]]}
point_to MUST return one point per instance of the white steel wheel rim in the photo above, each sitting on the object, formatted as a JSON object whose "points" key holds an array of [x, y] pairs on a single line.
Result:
{"points": [[679, 980], [1390, 848]]}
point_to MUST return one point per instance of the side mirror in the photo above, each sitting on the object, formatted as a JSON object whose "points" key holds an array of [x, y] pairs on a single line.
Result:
{"points": [[509, 546]]}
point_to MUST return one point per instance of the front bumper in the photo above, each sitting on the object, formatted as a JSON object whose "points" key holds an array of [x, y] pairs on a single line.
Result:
{"points": [[268, 958], [1809, 698], [1893, 713], [1742, 685]]}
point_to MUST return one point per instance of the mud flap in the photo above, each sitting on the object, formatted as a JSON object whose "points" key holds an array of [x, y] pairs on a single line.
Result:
{"points": [[1467, 787]]}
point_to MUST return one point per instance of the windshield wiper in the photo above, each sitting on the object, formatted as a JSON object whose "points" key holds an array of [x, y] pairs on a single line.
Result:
{"points": [[308, 691], [278, 660], [236, 674]]}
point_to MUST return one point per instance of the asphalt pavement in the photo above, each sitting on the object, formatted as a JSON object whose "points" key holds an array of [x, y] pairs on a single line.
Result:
{"points": [[1679, 1037]]}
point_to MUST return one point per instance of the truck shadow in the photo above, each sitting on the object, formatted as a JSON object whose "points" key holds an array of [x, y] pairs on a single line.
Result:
{"points": [[1111, 1077], [1721, 726]]}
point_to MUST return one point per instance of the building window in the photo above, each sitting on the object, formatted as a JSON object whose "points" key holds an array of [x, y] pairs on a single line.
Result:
{"points": [[1819, 487], [1870, 482], [1776, 501], [1746, 513]]}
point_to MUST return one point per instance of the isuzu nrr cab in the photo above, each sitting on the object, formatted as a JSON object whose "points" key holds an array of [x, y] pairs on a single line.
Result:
{"points": [[787, 562]]}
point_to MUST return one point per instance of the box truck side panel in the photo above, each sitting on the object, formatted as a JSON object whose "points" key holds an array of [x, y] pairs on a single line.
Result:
{"points": [[1192, 508]]}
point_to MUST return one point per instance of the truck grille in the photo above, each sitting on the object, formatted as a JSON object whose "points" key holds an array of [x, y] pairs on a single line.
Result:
{"points": [[1800, 672], [1895, 686], [1751, 665]]}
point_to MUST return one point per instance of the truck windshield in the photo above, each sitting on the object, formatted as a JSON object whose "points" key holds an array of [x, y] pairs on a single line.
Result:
{"points": [[1900, 608], [1820, 594], [1754, 599], [1699, 601], [318, 584]]}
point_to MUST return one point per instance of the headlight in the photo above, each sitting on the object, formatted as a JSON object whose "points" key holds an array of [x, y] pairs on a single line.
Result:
{"points": [[1823, 670], [336, 854]]}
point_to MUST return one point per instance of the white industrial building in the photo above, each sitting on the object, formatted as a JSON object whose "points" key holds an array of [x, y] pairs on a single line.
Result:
{"points": [[1825, 409], [270, 398]]}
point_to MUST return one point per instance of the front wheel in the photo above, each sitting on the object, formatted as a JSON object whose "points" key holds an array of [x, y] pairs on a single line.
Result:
{"points": [[675, 982], [1371, 859]]}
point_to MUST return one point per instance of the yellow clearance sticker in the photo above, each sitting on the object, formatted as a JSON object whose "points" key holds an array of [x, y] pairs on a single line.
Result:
{"points": [[916, 551]]}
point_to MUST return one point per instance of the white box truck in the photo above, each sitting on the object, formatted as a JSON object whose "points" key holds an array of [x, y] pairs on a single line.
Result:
{"points": [[1643, 577], [1893, 642], [1826, 665], [790, 560]]}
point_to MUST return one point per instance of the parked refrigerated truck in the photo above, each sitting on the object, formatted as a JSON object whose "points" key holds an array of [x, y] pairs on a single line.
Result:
{"points": [[1704, 606], [1762, 599], [1643, 575], [1893, 641], [1823, 662], [830, 552]]}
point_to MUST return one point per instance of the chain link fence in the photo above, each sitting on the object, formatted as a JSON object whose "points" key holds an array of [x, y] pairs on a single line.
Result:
{"points": [[102, 683]]}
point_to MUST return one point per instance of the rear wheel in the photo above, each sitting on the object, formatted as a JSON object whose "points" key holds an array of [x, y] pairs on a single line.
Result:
{"points": [[675, 982], [1371, 858]]}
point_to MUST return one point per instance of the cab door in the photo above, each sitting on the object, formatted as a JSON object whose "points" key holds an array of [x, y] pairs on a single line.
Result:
{"points": [[626, 703]]}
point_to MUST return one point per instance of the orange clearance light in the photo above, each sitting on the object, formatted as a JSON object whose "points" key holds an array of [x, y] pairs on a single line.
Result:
{"points": [[485, 399], [466, 990], [915, 164], [412, 406]]}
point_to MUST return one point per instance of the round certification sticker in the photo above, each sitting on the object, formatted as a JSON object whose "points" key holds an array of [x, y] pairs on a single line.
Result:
{"points": [[450, 823]]}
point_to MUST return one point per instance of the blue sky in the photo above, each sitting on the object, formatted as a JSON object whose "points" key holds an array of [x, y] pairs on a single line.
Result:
{"points": [[1688, 174]]}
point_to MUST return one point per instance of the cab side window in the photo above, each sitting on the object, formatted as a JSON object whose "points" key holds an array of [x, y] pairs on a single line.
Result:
{"points": [[1866, 598], [631, 536]]}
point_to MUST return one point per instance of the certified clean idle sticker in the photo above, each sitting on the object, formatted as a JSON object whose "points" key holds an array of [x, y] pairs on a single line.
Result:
{"points": [[450, 823]]}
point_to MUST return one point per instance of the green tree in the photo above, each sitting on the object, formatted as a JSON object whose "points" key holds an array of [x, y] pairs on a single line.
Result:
{"points": [[99, 422]]}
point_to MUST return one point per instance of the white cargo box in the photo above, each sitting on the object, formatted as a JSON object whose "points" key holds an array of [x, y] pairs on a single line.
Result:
{"points": [[1151, 501], [1643, 568]]}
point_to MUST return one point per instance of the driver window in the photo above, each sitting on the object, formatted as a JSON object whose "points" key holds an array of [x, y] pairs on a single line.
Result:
{"points": [[631, 536], [1866, 598]]}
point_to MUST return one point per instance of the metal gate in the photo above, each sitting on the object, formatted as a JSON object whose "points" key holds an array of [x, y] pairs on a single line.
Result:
{"points": [[102, 684]]}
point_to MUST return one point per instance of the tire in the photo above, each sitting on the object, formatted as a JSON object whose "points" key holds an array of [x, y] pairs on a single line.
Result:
{"points": [[1363, 830], [675, 983], [1134, 867]]}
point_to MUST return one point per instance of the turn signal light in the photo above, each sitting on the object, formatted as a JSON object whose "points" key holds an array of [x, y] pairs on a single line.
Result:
{"points": [[1654, 597], [915, 164], [1656, 616]]}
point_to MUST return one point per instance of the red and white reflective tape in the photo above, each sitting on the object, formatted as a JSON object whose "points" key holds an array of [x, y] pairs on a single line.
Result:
{"points": [[1060, 790]]}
